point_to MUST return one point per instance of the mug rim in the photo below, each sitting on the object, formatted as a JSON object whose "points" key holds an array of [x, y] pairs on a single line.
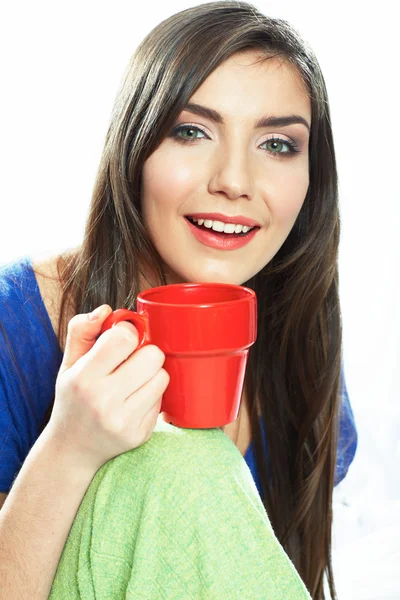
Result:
{"points": [[248, 294]]}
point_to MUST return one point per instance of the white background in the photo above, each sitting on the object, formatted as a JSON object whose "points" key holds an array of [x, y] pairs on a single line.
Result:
{"points": [[61, 65]]}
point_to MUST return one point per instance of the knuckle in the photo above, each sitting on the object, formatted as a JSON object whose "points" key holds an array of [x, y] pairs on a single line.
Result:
{"points": [[123, 335], [164, 375], [106, 336], [81, 387], [156, 354], [75, 321]]}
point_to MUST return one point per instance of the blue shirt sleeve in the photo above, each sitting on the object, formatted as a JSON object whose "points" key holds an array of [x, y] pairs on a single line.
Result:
{"points": [[347, 435], [11, 453], [29, 361]]}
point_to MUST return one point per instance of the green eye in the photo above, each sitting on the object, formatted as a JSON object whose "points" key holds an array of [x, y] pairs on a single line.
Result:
{"points": [[277, 145], [188, 128]]}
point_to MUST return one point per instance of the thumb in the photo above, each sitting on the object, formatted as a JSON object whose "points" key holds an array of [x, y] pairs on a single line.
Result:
{"points": [[83, 331]]}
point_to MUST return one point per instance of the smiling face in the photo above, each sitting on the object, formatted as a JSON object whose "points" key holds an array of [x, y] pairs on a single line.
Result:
{"points": [[230, 167]]}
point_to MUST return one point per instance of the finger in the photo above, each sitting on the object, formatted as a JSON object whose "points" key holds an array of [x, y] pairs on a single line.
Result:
{"points": [[147, 398], [111, 349], [82, 334], [135, 371]]}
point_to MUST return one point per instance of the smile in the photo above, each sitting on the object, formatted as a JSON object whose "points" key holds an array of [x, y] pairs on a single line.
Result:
{"points": [[219, 239]]}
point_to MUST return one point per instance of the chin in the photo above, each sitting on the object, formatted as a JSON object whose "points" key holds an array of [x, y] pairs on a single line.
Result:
{"points": [[210, 277]]}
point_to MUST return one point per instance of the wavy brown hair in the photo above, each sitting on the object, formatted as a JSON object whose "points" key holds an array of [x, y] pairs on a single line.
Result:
{"points": [[293, 371]]}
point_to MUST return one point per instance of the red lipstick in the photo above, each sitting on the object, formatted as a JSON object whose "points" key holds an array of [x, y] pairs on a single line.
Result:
{"points": [[221, 241]]}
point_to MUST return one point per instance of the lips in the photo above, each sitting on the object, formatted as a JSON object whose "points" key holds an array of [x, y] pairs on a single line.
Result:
{"points": [[221, 241]]}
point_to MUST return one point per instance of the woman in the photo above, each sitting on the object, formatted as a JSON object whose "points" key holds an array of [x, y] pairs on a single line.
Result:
{"points": [[250, 96]]}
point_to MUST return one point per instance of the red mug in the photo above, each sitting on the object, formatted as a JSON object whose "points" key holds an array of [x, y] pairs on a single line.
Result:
{"points": [[205, 331]]}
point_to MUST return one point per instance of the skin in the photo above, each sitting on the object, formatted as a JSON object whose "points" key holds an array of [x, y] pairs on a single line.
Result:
{"points": [[231, 168]]}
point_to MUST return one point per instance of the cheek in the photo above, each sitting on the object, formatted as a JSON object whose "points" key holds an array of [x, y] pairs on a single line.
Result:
{"points": [[290, 192], [166, 177]]}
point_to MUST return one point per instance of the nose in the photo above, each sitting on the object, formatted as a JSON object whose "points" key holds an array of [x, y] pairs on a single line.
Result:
{"points": [[231, 175]]}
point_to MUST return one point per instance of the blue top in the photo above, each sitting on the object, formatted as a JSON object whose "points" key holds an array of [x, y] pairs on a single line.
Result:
{"points": [[33, 346]]}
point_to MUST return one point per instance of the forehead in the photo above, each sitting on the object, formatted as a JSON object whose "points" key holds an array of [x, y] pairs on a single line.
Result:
{"points": [[243, 85]]}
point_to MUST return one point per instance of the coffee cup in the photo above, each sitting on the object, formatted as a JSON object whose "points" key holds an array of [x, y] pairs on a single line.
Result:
{"points": [[205, 331]]}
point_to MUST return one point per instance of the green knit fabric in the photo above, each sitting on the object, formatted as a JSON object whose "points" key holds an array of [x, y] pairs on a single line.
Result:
{"points": [[178, 518]]}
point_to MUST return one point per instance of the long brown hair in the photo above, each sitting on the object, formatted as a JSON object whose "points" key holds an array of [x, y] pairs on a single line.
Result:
{"points": [[293, 372]]}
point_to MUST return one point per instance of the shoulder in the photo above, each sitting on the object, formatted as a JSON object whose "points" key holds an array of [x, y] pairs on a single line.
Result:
{"points": [[25, 284], [17, 274], [47, 277], [16, 288], [12, 275], [46, 270]]}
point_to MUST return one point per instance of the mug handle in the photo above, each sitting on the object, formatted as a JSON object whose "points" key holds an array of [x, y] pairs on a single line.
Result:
{"points": [[140, 321]]}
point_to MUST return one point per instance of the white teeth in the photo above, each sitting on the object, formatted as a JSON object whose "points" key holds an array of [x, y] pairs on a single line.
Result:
{"points": [[229, 228], [218, 226], [222, 227]]}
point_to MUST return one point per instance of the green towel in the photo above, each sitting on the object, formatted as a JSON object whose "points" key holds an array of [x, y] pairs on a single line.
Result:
{"points": [[178, 518]]}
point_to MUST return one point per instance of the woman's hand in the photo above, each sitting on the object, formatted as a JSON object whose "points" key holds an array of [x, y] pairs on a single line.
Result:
{"points": [[108, 396]]}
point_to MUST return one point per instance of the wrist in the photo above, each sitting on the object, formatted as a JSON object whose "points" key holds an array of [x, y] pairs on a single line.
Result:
{"points": [[78, 464]]}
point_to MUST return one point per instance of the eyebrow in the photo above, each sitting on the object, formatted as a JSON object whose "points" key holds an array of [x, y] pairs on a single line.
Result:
{"points": [[271, 121]]}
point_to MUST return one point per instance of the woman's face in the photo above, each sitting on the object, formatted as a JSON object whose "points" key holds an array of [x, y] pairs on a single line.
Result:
{"points": [[231, 167]]}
